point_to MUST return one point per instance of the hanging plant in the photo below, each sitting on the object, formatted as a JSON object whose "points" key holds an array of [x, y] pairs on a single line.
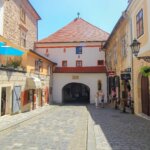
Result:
{"points": [[145, 71]]}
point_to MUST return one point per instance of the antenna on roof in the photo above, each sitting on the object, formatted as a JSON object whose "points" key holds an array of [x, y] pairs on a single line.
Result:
{"points": [[78, 15]]}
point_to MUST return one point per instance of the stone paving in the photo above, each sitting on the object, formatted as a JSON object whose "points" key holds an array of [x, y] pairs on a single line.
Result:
{"points": [[115, 130], [62, 128], [74, 128], [8, 121]]}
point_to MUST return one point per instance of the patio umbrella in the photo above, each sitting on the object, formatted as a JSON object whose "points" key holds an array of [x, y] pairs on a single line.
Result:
{"points": [[2, 44], [10, 51]]}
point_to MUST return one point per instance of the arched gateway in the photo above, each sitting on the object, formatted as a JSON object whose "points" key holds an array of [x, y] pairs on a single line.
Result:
{"points": [[76, 92]]}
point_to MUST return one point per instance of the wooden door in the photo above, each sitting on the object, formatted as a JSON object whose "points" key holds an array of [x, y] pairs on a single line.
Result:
{"points": [[16, 99], [145, 95]]}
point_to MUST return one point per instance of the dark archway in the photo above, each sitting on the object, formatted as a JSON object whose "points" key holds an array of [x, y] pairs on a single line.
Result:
{"points": [[76, 93]]}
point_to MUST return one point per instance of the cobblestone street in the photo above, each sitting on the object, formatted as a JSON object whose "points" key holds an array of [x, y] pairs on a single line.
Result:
{"points": [[77, 128], [62, 128], [115, 130]]}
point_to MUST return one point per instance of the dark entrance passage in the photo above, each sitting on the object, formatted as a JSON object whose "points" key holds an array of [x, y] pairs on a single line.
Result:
{"points": [[76, 93], [3, 102]]}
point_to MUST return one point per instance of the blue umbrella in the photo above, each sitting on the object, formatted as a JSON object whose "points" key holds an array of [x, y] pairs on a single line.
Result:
{"points": [[10, 51], [2, 44]]}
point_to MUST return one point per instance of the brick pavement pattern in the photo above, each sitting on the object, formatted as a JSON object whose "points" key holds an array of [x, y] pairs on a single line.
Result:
{"points": [[115, 130], [62, 128], [74, 128]]}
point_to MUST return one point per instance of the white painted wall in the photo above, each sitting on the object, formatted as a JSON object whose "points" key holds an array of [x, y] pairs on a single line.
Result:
{"points": [[1, 16], [89, 55], [90, 79]]}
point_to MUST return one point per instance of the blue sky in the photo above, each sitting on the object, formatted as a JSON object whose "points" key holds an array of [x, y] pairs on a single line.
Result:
{"points": [[56, 14]]}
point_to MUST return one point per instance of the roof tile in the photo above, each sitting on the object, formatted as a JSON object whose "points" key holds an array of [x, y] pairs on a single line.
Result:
{"points": [[76, 31]]}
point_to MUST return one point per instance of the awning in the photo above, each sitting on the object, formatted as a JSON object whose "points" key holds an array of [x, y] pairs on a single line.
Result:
{"points": [[9, 51], [33, 83]]}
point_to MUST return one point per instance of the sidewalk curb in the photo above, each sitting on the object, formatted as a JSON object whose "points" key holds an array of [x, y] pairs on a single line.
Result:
{"points": [[26, 119], [91, 139]]}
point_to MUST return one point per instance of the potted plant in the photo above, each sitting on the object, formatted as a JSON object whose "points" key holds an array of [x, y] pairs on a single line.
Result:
{"points": [[145, 71]]}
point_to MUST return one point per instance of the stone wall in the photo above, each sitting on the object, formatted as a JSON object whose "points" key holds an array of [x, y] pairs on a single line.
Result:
{"points": [[13, 23], [15, 78], [10, 79]]}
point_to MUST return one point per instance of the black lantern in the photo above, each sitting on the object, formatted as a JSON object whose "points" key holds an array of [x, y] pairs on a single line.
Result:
{"points": [[135, 46]]}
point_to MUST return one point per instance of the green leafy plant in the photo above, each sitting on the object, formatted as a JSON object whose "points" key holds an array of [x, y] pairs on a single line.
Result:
{"points": [[14, 63], [145, 71]]}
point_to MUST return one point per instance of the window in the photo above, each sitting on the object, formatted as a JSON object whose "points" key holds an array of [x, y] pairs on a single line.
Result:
{"points": [[46, 52], [99, 85], [38, 65], [139, 23], [123, 46], [100, 62], [115, 56], [22, 15], [48, 69], [23, 35], [79, 50], [79, 63], [64, 50], [64, 63]]}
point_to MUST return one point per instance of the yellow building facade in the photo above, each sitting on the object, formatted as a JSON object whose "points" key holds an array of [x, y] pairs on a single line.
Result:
{"points": [[27, 86], [139, 11], [130, 84]]}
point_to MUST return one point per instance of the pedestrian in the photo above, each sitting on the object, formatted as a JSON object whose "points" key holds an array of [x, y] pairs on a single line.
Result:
{"points": [[102, 98], [113, 92], [96, 99], [129, 99]]}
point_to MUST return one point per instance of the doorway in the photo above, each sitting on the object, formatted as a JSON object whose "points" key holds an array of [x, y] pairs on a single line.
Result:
{"points": [[145, 95], [76, 93], [3, 101]]}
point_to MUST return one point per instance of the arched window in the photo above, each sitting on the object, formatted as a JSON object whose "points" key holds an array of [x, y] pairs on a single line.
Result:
{"points": [[99, 85]]}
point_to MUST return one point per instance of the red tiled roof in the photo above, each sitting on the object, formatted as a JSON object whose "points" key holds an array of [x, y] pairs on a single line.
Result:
{"points": [[76, 31], [97, 69]]}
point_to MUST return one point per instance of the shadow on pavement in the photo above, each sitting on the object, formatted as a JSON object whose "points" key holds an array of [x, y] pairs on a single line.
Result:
{"points": [[115, 130]]}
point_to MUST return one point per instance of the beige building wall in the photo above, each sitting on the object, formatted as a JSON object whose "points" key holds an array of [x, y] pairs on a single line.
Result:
{"points": [[133, 10], [128, 26], [13, 25]]}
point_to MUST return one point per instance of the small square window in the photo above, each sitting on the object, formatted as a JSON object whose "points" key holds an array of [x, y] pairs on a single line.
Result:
{"points": [[100, 62], [64, 63], [79, 63], [79, 50]]}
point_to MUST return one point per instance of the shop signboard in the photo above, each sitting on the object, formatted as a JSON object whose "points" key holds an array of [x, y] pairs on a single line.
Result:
{"points": [[125, 76]]}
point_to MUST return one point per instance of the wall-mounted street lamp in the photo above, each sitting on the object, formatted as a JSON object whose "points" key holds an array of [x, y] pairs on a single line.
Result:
{"points": [[135, 46]]}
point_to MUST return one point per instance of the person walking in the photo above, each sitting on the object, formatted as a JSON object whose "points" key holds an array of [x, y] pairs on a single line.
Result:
{"points": [[96, 99], [102, 98], [114, 99]]}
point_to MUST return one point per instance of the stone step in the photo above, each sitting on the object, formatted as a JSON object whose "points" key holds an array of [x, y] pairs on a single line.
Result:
{"points": [[101, 140], [91, 140]]}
